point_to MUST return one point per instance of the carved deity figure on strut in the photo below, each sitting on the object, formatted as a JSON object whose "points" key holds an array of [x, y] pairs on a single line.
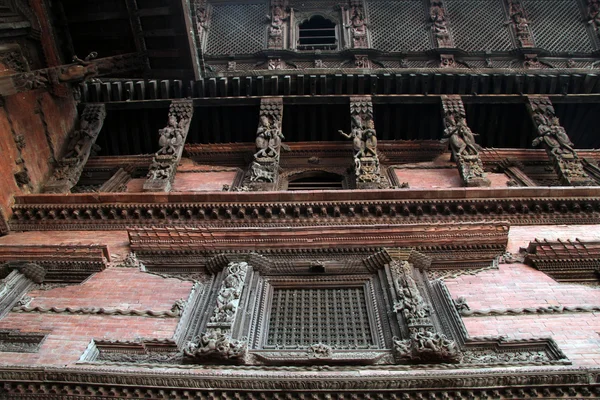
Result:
{"points": [[171, 137], [462, 139], [357, 134], [268, 138], [554, 136]]}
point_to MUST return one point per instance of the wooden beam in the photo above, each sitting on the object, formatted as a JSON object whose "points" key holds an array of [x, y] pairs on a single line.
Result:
{"points": [[191, 37]]}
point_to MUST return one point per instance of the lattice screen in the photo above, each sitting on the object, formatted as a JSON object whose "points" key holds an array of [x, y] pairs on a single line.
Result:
{"points": [[399, 25], [238, 28], [335, 317], [478, 25], [557, 25]]}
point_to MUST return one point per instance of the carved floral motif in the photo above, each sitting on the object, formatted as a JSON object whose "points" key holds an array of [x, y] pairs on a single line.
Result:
{"points": [[216, 344], [462, 142]]}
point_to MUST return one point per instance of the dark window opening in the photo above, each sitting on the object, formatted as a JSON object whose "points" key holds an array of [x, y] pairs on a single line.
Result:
{"points": [[317, 33], [317, 181]]}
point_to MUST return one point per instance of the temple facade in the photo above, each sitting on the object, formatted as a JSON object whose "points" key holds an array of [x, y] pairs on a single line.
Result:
{"points": [[299, 199]]}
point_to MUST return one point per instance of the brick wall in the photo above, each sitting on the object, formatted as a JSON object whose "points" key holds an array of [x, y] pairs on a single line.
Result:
{"points": [[520, 286], [44, 122]]}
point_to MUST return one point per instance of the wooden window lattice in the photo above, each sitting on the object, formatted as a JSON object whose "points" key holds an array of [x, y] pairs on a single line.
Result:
{"points": [[336, 317]]}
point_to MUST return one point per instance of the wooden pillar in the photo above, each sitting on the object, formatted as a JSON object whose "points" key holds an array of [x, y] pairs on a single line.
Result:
{"points": [[172, 139], [553, 137], [462, 142], [367, 169], [69, 168]]}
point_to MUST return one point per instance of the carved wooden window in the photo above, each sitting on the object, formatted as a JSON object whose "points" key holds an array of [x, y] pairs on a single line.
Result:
{"points": [[342, 313], [337, 317], [317, 33]]}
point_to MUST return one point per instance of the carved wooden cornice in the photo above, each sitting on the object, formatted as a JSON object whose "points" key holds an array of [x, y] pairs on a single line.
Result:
{"points": [[15, 341], [183, 240], [232, 383], [116, 211], [64, 263], [347, 249], [566, 261]]}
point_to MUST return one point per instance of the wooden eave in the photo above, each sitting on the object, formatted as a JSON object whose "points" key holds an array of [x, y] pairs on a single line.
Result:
{"points": [[347, 82]]}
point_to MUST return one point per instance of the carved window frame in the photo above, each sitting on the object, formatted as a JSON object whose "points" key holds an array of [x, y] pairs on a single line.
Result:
{"points": [[297, 18], [369, 283]]}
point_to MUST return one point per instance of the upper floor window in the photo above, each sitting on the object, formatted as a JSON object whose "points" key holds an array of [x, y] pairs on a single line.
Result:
{"points": [[317, 33], [316, 180]]}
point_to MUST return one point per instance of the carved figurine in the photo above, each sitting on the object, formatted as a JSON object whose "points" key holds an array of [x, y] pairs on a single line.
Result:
{"points": [[462, 139], [358, 27], [278, 17], [554, 136], [82, 70]]}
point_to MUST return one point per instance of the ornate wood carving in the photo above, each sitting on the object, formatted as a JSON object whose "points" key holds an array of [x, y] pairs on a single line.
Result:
{"points": [[553, 137], [519, 23], [519, 206], [79, 71], [566, 261], [22, 383], [439, 24], [15, 341], [63, 263], [18, 280], [367, 168], [216, 342], [278, 21], [201, 13], [355, 22], [81, 144], [263, 173], [172, 138], [424, 344], [462, 142]]}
